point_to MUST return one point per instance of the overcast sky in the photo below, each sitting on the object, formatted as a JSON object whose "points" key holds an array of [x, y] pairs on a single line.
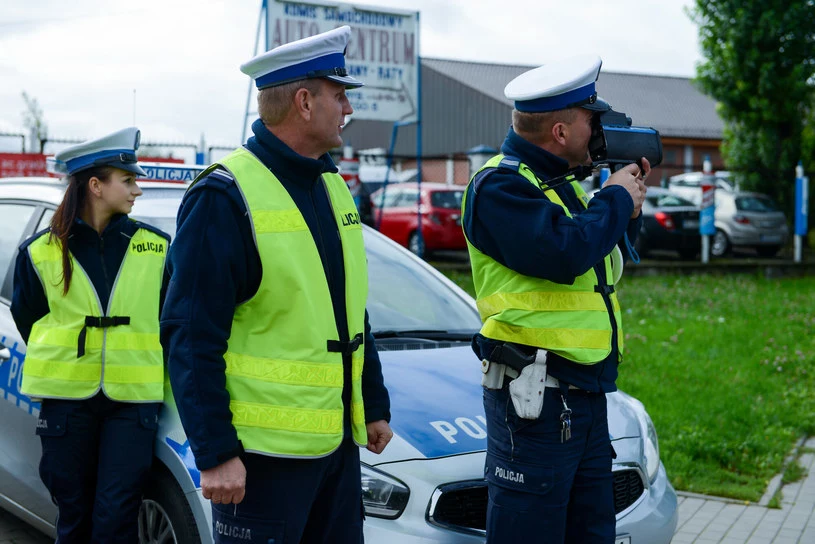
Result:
{"points": [[83, 59]]}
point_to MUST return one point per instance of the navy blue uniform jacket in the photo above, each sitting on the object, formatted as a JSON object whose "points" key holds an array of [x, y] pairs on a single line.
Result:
{"points": [[100, 256], [214, 266], [511, 221]]}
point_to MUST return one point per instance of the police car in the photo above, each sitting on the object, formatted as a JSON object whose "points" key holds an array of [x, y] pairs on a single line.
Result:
{"points": [[427, 486]]}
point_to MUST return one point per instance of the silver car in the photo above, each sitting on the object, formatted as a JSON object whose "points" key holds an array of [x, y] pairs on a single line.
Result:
{"points": [[748, 220], [427, 486], [689, 185]]}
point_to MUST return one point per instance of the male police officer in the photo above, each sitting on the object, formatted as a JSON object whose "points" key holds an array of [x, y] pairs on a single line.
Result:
{"points": [[552, 337], [270, 351]]}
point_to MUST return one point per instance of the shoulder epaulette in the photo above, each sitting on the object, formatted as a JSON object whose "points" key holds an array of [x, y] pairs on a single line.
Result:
{"points": [[510, 163], [507, 163], [152, 229], [31, 239], [222, 174], [217, 177]]}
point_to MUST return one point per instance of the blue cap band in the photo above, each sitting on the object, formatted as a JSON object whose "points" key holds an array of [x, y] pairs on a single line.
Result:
{"points": [[559, 102], [301, 70], [98, 159]]}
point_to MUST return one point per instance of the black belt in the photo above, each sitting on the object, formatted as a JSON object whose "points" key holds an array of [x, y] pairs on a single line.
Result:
{"points": [[346, 348], [512, 356], [99, 323]]}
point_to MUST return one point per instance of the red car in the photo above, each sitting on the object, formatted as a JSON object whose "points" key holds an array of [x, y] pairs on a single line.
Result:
{"points": [[394, 210]]}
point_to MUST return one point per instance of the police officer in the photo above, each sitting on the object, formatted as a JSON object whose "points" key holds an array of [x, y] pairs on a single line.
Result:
{"points": [[270, 355], [87, 297], [551, 339]]}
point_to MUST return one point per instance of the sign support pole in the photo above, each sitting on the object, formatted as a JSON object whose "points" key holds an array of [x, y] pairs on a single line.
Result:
{"points": [[261, 18], [707, 215], [419, 234]]}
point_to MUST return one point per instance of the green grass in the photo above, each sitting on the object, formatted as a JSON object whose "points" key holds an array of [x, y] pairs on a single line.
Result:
{"points": [[794, 472], [725, 367]]}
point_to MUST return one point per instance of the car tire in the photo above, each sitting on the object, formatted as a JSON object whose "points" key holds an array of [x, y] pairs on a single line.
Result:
{"points": [[165, 516], [414, 246], [719, 244], [768, 251]]}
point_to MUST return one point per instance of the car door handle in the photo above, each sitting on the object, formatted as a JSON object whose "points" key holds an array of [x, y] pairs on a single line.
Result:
{"points": [[5, 354]]}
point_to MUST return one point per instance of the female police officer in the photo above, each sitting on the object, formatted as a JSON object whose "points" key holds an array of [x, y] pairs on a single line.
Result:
{"points": [[86, 300]]}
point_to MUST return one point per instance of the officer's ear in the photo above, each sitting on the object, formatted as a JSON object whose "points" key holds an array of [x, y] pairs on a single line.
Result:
{"points": [[304, 103], [559, 132], [94, 186]]}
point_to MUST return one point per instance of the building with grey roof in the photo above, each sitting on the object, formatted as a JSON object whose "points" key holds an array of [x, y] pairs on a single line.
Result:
{"points": [[463, 106]]}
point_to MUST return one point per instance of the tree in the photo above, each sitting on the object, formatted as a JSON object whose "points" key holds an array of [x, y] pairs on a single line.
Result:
{"points": [[760, 63], [35, 123], [808, 144]]}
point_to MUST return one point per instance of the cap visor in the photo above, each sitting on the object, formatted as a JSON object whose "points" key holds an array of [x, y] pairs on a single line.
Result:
{"points": [[599, 105], [131, 167], [348, 81]]}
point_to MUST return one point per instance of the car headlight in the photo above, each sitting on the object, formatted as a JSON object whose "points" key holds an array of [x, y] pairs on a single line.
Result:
{"points": [[382, 496], [650, 445]]}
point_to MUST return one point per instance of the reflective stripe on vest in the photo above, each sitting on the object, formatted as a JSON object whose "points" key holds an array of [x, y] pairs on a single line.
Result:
{"points": [[284, 382], [124, 360], [570, 320]]}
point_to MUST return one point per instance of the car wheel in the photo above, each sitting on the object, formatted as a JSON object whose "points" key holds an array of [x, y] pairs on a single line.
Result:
{"points": [[720, 244], [414, 246], [165, 516], [768, 251]]}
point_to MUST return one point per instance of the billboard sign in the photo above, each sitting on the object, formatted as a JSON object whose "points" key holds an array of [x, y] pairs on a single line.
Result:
{"points": [[383, 52]]}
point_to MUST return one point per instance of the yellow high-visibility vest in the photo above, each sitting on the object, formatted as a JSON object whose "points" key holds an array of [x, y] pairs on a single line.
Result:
{"points": [[79, 347], [572, 321], [284, 361]]}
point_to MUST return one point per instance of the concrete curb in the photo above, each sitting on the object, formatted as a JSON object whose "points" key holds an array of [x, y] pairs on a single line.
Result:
{"points": [[728, 500], [775, 482], [772, 488]]}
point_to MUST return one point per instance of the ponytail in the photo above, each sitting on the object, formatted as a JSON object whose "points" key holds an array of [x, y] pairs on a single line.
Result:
{"points": [[67, 212]]}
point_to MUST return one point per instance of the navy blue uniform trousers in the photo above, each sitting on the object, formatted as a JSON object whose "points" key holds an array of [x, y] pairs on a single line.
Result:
{"points": [[542, 489], [96, 455], [291, 501]]}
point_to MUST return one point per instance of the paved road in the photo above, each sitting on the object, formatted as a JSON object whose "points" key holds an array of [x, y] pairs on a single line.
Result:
{"points": [[707, 520], [702, 520]]}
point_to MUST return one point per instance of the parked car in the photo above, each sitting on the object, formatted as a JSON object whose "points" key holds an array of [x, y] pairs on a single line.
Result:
{"points": [[373, 176], [748, 220], [669, 222], [395, 207], [427, 486], [689, 184]]}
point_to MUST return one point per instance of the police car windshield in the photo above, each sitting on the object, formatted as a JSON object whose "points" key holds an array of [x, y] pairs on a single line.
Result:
{"points": [[404, 296]]}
